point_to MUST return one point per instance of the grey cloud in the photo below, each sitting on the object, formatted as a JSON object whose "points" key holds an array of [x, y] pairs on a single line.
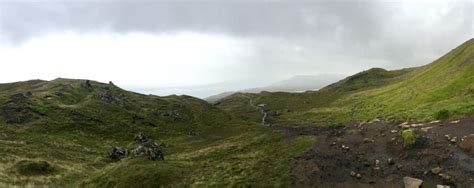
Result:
{"points": [[289, 37]]}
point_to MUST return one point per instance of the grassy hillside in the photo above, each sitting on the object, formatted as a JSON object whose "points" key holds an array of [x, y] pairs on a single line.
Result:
{"points": [[59, 133], [442, 89]]}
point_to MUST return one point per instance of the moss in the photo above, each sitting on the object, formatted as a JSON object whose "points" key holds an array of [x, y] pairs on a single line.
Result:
{"points": [[442, 114], [409, 138]]}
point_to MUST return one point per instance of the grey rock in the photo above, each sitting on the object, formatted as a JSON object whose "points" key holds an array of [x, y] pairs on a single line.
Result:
{"points": [[410, 182]]}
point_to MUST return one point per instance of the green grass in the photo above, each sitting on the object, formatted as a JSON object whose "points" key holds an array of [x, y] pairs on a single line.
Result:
{"points": [[66, 145], [409, 94]]}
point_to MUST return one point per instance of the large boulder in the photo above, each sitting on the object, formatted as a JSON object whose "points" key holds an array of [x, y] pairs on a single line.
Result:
{"points": [[410, 182], [118, 153]]}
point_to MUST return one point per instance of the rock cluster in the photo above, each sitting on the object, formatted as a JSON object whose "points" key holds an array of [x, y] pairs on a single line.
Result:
{"points": [[106, 96], [146, 147]]}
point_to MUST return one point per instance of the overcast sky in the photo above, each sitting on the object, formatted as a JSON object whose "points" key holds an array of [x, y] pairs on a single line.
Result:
{"points": [[144, 45]]}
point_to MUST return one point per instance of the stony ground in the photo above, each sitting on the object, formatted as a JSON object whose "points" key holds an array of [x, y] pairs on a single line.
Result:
{"points": [[373, 155]]}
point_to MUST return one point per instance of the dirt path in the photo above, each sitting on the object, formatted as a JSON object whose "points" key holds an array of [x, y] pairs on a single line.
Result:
{"points": [[372, 155], [261, 109]]}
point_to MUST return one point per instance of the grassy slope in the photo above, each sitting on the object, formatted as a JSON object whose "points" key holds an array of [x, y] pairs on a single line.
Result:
{"points": [[415, 93], [73, 129]]}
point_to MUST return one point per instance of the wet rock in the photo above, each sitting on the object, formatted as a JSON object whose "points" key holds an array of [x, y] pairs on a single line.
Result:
{"points": [[436, 170], [118, 153], [410, 182]]}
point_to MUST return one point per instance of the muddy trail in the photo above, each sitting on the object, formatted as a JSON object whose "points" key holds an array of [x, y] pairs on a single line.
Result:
{"points": [[374, 155]]}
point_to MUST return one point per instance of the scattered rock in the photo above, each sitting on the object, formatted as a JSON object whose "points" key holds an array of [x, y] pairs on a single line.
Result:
{"points": [[394, 131], [353, 174], [367, 140], [377, 162], [444, 176], [442, 186], [346, 148], [376, 120], [426, 129], [140, 138], [437, 121], [453, 140], [455, 122], [390, 161], [410, 182], [417, 125], [118, 153], [358, 176], [436, 170]]}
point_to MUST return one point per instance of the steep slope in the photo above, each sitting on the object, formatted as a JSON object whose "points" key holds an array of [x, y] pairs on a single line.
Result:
{"points": [[441, 89], [59, 133]]}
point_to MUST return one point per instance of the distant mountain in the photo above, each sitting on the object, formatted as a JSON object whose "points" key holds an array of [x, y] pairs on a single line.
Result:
{"points": [[298, 83]]}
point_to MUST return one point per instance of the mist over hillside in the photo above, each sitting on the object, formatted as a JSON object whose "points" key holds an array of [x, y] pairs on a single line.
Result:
{"points": [[299, 83]]}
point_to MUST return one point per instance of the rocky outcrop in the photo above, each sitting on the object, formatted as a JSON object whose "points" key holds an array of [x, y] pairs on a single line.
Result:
{"points": [[18, 110], [410, 182], [118, 153], [146, 147], [106, 96]]}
